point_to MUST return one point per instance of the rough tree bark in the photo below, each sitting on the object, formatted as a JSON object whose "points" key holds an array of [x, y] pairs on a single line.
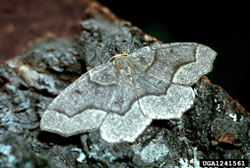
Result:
{"points": [[217, 126]]}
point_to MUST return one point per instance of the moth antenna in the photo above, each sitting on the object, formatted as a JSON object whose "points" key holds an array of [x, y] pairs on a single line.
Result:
{"points": [[133, 41]]}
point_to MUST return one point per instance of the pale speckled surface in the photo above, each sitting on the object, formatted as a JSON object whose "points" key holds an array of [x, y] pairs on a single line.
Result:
{"points": [[118, 128], [170, 106], [131, 90], [58, 122]]}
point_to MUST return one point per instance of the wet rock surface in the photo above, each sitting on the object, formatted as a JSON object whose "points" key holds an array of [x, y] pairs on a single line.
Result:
{"points": [[217, 126]]}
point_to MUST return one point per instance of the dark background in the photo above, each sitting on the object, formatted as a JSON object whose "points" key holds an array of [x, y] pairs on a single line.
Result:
{"points": [[225, 28]]}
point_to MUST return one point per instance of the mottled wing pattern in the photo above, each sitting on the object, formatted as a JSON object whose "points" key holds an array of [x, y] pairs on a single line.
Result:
{"points": [[123, 97], [180, 65]]}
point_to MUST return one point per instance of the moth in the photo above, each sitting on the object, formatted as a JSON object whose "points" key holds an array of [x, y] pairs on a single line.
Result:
{"points": [[123, 96]]}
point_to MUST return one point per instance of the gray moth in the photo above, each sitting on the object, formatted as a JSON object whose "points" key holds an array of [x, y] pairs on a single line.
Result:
{"points": [[123, 96]]}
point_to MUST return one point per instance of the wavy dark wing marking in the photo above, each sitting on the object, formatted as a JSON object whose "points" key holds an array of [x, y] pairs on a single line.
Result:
{"points": [[154, 83]]}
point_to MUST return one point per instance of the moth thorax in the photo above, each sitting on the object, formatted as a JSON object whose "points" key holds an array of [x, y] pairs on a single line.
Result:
{"points": [[122, 64]]}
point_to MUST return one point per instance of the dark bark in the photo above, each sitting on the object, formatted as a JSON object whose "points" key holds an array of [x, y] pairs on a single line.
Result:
{"points": [[217, 126]]}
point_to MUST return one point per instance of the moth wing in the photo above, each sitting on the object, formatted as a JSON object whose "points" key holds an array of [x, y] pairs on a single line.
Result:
{"points": [[181, 63], [90, 102], [75, 109], [189, 74], [117, 128]]}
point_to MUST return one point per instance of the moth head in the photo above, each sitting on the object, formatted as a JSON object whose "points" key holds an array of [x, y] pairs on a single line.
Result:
{"points": [[121, 62]]}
